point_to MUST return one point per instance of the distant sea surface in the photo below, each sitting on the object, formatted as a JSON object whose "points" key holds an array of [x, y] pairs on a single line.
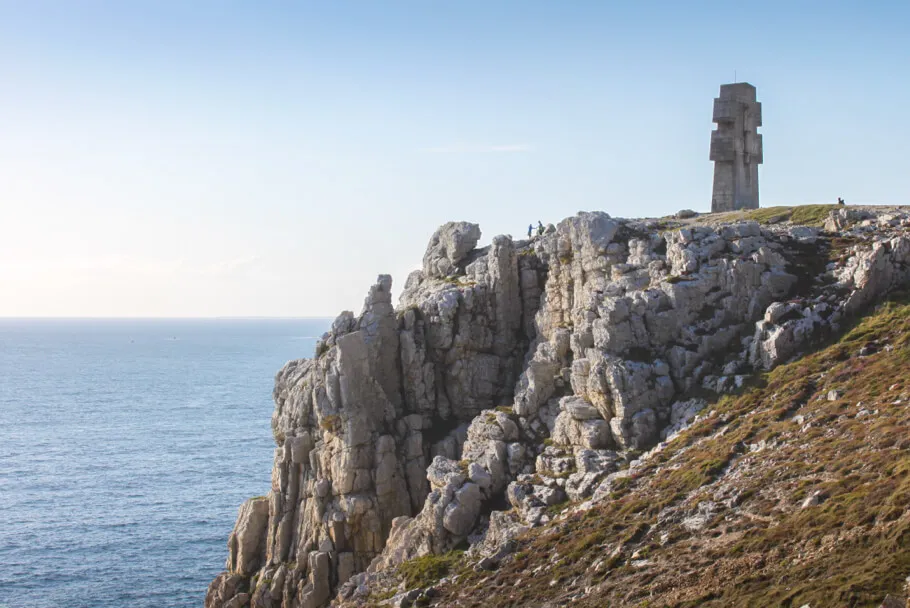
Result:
{"points": [[126, 448]]}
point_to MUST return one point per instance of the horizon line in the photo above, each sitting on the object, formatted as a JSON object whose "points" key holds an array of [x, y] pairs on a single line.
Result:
{"points": [[174, 318]]}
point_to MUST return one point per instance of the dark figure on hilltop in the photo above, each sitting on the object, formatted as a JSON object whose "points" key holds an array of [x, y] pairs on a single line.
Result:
{"points": [[530, 230], [840, 201], [539, 228]]}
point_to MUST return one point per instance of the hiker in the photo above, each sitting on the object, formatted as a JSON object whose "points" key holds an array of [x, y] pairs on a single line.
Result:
{"points": [[840, 201], [530, 230], [539, 228]]}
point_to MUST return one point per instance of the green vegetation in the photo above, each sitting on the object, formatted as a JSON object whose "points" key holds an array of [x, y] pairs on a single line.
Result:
{"points": [[770, 215], [805, 215], [554, 510], [811, 215], [459, 281], [427, 570]]}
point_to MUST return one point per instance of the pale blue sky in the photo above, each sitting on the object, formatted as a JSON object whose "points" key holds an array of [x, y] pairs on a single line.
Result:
{"points": [[175, 158]]}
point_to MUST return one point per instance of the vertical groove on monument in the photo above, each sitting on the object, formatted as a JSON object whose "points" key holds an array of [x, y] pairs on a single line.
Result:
{"points": [[736, 148]]}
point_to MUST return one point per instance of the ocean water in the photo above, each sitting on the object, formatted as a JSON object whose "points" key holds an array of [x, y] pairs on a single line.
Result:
{"points": [[126, 448]]}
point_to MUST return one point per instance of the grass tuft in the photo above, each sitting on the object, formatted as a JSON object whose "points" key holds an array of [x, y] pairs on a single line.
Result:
{"points": [[425, 571]]}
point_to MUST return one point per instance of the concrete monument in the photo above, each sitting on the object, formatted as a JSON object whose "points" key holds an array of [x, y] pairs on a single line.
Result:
{"points": [[736, 148]]}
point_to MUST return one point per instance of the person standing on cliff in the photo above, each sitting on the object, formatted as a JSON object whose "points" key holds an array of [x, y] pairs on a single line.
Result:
{"points": [[540, 228], [530, 230]]}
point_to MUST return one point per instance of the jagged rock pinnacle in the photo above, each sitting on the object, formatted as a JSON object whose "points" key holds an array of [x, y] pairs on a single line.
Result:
{"points": [[522, 373]]}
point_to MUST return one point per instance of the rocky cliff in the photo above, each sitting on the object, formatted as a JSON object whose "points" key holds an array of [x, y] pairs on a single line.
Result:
{"points": [[515, 380]]}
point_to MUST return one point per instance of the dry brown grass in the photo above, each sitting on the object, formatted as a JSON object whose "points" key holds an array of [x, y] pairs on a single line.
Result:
{"points": [[763, 549]]}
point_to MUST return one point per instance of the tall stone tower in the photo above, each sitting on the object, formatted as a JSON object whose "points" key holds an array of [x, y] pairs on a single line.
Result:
{"points": [[736, 148]]}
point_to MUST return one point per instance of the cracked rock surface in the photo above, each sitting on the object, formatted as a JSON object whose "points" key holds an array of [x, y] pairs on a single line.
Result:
{"points": [[518, 376]]}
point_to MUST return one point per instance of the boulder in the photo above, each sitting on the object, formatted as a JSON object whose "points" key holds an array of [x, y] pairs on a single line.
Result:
{"points": [[448, 247], [247, 541], [592, 433], [461, 514]]}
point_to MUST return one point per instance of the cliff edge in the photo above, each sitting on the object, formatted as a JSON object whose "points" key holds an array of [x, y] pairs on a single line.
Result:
{"points": [[514, 382]]}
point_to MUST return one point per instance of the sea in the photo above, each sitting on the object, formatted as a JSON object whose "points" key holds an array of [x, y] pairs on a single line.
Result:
{"points": [[126, 448]]}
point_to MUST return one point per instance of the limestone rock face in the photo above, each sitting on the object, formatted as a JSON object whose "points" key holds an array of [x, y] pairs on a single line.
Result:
{"points": [[245, 545], [525, 373], [682, 413], [866, 276], [841, 219], [449, 245], [497, 539], [357, 426]]}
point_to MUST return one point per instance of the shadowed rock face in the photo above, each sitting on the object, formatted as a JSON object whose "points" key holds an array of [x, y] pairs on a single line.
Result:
{"points": [[517, 374]]}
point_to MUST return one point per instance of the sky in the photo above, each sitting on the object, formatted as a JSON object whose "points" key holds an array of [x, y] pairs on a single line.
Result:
{"points": [[164, 158]]}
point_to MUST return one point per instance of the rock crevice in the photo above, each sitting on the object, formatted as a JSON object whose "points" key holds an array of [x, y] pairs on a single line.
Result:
{"points": [[522, 375]]}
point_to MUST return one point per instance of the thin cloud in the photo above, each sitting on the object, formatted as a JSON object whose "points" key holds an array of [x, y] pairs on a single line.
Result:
{"points": [[231, 267], [480, 149], [512, 148]]}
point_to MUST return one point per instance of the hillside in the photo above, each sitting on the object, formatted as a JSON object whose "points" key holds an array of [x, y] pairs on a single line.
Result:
{"points": [[532, 402], [796, 491]]}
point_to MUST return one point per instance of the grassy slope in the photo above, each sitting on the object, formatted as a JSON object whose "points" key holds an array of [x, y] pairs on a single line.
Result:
{"points": [[805, 215], [753, 460]]}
